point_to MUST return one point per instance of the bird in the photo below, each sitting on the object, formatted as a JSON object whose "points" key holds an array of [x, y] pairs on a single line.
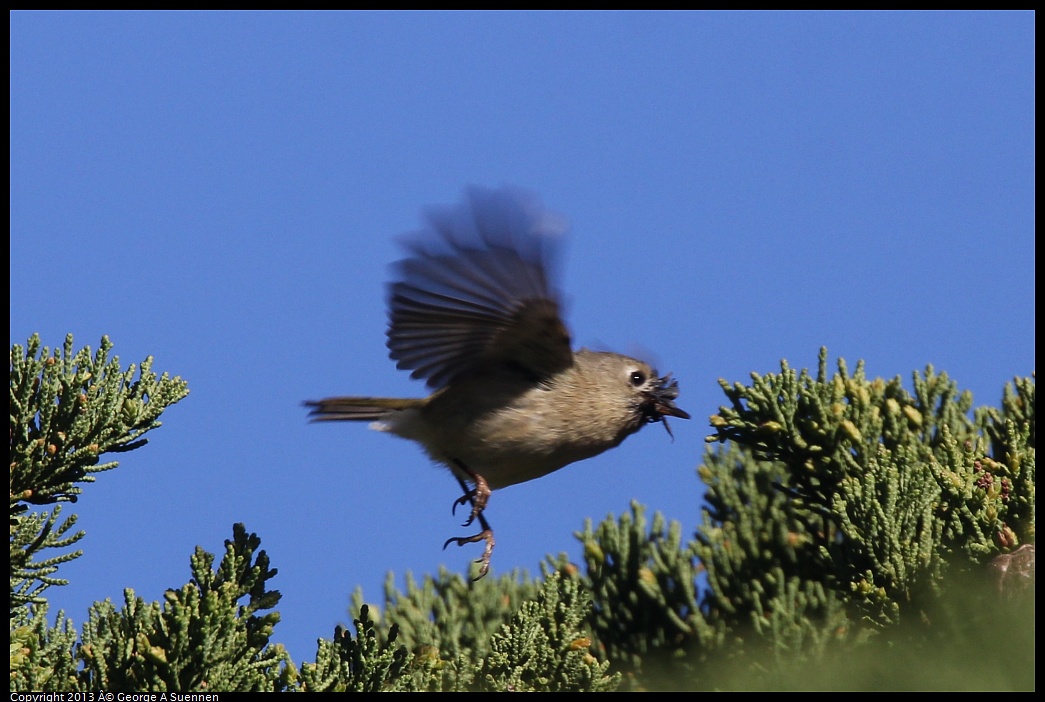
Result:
{"points": [[473, 310]]}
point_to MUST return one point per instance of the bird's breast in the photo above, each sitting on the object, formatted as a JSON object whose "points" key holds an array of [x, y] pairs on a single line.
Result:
{"points": [[514, 444]]}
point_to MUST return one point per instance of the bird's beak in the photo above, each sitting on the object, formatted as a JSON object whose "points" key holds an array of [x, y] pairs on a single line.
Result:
{"points": [[661, 403], [670, 409], [662, 400]]}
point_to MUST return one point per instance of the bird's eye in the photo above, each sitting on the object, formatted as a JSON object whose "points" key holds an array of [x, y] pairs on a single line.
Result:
{"points": [[637, 378]]}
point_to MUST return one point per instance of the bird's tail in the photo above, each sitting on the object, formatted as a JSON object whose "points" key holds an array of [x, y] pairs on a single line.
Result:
{"points": [[353, 409]]}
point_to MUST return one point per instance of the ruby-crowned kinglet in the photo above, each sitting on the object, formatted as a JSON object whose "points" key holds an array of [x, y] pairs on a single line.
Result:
{"points": [[472, 311]]}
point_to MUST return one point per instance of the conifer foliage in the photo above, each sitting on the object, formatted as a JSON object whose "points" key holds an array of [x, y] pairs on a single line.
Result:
{"points": [[853, 535]]}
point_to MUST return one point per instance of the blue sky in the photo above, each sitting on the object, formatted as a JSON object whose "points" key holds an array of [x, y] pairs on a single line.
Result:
{"points": [[224, 191]]}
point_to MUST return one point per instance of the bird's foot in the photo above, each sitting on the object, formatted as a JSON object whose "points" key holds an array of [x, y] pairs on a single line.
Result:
{"points": [[478, 496], [484, 561]]}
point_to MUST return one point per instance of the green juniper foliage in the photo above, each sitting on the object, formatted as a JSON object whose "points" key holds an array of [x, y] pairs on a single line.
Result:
{"points": [[847, 510], [848, 523], [853, 535], [363, 664], [451, 614], [643, 579], [544, 647], [886, 487], [67, 409], [200, 639], [41, 655]]}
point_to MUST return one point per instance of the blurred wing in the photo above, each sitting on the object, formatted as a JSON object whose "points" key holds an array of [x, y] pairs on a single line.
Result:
{"points": [[475, 293]]}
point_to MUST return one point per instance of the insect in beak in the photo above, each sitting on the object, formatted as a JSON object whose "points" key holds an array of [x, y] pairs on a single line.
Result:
{"points": [[661, 403]]}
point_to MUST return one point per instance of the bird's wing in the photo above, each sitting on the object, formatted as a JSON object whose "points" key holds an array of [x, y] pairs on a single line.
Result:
{"points": [[475, 291]]}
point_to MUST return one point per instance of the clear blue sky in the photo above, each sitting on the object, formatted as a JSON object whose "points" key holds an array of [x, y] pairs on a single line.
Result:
{"points": [[224, 192]]}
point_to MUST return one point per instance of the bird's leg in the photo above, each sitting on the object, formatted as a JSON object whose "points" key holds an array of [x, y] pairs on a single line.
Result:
{"points": [[478, 496], [485, 535], [468, 496]]}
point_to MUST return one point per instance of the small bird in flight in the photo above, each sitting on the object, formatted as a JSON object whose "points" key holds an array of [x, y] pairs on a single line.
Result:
{"points": [[472, 311]]}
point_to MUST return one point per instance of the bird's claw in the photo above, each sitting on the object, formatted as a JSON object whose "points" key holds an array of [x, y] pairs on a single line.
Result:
{"points": [[468, 497], [477, 496], [484, 560]]}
